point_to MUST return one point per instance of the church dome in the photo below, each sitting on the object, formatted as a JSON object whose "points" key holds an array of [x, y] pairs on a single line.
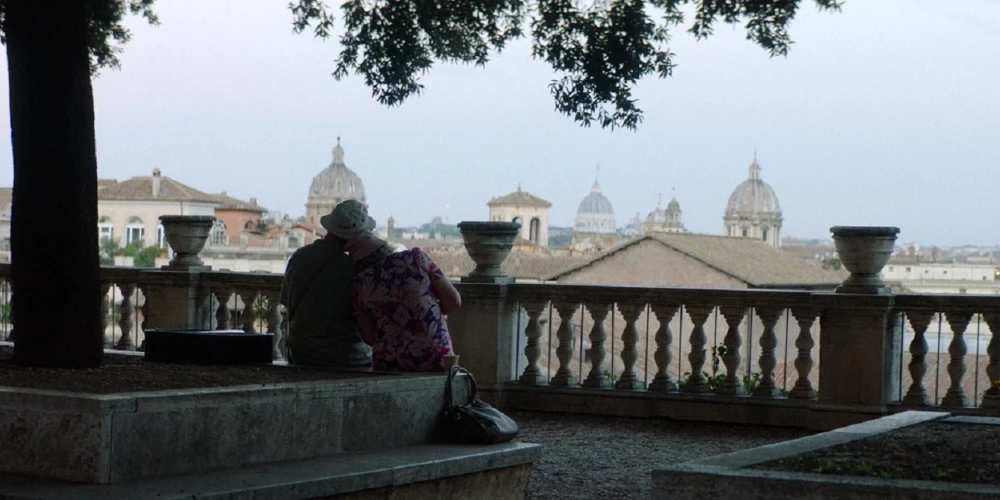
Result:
{"points": [[336, 182], [595, 214], [595, 203], [753, 197]]}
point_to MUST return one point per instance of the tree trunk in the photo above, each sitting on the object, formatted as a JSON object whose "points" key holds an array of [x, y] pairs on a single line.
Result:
{"points": [[54, 247]]}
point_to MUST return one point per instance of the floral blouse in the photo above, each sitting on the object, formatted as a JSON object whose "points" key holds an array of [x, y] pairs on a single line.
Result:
{"points": [[410, 333]]}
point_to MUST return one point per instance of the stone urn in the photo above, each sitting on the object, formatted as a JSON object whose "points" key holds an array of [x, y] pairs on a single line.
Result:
{"points": [[488, 243], [186, 235], [864, 251]]}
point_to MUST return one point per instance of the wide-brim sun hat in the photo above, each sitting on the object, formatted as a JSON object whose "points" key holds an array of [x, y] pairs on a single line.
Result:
{"points": [[347, 220]]}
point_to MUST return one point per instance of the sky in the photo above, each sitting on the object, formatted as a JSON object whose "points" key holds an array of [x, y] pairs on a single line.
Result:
{"points": [[886, 113]]}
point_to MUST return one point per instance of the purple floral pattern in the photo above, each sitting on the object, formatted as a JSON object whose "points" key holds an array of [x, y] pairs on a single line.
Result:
{"points": [[410, 333]]}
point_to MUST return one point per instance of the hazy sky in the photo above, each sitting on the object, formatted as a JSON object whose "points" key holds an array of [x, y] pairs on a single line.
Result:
{"points": [[886, 113]]}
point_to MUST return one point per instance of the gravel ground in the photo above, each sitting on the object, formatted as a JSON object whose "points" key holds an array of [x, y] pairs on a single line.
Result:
{"points": [[597, 457]]}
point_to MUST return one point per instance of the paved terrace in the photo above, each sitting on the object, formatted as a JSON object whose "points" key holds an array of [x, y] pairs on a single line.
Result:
{"points": [[594, 457]]}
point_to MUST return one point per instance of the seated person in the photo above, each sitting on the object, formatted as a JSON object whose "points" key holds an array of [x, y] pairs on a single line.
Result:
{"points": [[316, 291], [400, 298]]}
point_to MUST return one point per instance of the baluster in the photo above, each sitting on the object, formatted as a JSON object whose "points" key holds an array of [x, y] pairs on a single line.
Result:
{"points": [[662, 381], [630, 337], [532, 351], [732, 384], [222, 314], [274, 323], [803, 388], [249, 318], [696, 381], [566, 334], [144, 308], [991, 398], [125, 343], [106, 313], [958, 321], [9, 318], [767, 387], [598, 312], [916, 395]]}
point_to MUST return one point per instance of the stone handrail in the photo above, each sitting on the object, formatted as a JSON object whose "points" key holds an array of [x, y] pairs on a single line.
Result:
{"points": [[958, 313]]}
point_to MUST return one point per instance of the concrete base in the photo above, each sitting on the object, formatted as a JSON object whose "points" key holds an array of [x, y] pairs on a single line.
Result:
{"points": [[730, 477], [93, 438], [418, 472]]}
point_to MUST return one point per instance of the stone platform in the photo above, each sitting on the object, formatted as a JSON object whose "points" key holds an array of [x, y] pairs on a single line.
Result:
{"points": [[441, 472]]}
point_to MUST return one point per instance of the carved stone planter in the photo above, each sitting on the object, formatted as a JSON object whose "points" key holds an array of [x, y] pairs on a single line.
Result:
{"points": [[186, 235], [864, 251], [488, 244]]}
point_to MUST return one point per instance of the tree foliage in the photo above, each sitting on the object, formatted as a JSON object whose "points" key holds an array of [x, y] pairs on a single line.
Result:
{"points": [[600, 49], [107, 34]]}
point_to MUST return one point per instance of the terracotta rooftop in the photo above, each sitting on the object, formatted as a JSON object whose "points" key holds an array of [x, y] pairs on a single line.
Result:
{"points": [[754, 262], [229, 203], [141, 189], [455, 262], [519, 198]]}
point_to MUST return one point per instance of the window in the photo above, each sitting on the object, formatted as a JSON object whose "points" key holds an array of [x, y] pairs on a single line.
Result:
{"points": [[218, 234], [907, 269], [533, 229], [890, 268], [105, 229], [161, 236], [744, 233], [134, 231], [764, 237]]}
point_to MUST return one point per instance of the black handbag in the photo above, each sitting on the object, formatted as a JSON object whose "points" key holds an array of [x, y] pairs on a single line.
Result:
{"points": [[474, 422]]}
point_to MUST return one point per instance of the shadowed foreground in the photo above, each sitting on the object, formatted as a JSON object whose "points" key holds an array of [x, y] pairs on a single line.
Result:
{"points": [[612, 457]]}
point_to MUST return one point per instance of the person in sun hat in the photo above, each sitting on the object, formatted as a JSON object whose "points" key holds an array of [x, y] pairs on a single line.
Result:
{"points": [[317, 292], [400, 297]]}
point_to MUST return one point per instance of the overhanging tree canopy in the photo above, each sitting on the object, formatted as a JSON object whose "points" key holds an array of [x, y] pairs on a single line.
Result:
{"points": [[601, 49]]}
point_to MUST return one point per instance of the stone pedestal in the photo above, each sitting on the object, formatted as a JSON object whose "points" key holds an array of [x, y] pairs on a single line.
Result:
{"points": [[175, 300], [484, 332], [859, 353]]}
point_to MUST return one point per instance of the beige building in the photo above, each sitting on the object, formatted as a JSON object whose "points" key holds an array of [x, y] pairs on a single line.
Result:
{"points": [[753, 210], [334, 184], [527, 209], [130, 210]]}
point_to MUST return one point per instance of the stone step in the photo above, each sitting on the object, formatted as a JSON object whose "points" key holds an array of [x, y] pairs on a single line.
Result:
{"points": [[423, 471]]}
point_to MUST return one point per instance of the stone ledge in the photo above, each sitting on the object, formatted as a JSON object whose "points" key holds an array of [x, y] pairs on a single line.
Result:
{"points": [[728, 477], [129, 436], [323, 477]]}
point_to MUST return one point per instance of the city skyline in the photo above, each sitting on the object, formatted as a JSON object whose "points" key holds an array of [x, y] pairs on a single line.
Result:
{"points": [[882, 114]]}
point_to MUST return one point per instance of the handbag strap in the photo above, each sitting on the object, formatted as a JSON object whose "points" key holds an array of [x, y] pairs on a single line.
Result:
{"points": [[305, 289], [449, 392]]}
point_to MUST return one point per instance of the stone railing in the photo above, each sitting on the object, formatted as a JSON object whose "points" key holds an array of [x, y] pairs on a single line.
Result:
{"points": [[952, 351], [137, 299]]}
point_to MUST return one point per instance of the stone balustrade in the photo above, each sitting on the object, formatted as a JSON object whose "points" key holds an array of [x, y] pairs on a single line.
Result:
{"points": [[781, 357]]}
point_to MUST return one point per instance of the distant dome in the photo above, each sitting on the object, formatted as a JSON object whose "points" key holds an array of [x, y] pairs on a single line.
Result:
{"points": [[595, 214], [333, 185], [336, 182], [753, 197], [667, 220], [753, 210]]}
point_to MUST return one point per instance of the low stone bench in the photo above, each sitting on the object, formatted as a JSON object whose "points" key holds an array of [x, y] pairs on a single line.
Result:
{"points": [[423, 471]]}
